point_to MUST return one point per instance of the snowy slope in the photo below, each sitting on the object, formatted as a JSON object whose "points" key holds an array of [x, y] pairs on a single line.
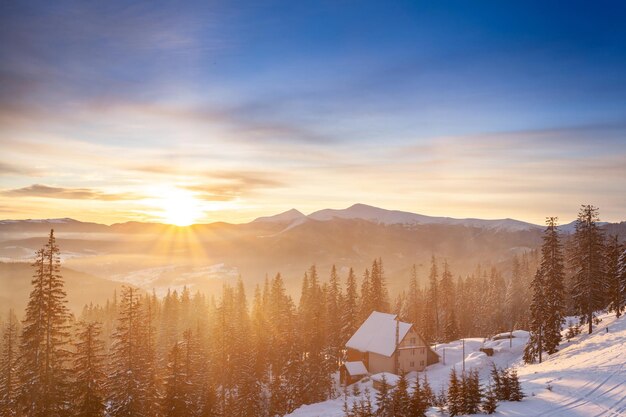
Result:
{"points": [[586, 378]]}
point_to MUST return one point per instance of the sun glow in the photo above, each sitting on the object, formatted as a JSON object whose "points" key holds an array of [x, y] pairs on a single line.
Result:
{"points": [[179, 207]]}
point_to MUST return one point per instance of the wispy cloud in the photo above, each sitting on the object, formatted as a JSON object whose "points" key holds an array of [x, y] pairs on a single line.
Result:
{"points": [[45, 191]]}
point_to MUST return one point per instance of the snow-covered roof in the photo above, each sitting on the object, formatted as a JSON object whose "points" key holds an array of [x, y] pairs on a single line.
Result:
{"points": [[355, 368], [378, 334]]}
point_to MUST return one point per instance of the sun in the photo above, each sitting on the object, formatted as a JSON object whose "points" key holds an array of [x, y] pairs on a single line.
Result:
{"points": [[179, 207]]}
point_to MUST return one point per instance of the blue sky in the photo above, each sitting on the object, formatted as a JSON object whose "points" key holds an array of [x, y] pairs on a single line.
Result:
{"points": [[467, 109]]}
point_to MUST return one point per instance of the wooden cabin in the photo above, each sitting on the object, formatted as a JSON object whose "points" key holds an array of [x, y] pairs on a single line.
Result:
{"points": [[385, 344]]}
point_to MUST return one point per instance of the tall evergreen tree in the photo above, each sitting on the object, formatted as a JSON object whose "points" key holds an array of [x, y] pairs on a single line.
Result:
{"points": [[127, 384], [400, 399], [538, 312], [419, 401], [430, 322], [614, 291], [88, 371], [554, 290], [587, 258], [448, 305], [44, 377], [176, 402], [455, 395], [622, 277], [378, 288], [384, 404], [350, 313], [8, 363]]}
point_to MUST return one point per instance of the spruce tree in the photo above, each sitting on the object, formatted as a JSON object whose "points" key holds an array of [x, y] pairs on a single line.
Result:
{"points": [[430, 322], [378, 288], [614, 291], [538, 313], [384, 405], [43, 370], [418, 402], [490, 402], [472, 392], [88, 371], [349, 312], [127, 387], [622, 277], [553, 275], [176, 402], [448, 305], [587, 258], [400, 398], [455, 395], [516, 393], [429, 395], [8, 363]]}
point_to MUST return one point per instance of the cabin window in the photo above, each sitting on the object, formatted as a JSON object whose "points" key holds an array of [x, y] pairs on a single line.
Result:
{"points": [[412, 365], [412, 352]]}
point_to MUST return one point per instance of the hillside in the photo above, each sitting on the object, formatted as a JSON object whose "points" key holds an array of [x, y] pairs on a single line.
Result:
{"points": [[15, 282], [587, 377]]}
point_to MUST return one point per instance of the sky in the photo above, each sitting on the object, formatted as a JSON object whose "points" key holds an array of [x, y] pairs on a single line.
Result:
{"points": [[224, 111]]}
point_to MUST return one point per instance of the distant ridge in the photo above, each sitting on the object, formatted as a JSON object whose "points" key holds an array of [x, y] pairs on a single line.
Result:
{"points": [[391, 217], [294, 218], [287, 217]]}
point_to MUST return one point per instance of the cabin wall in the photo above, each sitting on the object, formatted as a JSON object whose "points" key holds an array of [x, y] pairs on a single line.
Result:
{"points": [[412, 359], [379, 363]]}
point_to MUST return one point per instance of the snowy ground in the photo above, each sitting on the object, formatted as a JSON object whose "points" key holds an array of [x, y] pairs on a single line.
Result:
{"points": [[587, 377]]}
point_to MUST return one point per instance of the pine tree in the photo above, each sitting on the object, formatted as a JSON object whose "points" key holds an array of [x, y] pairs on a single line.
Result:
{"points": [[455, 395], [430, 322], [384, 405], [127, 387], [516, 393], [615, 296], [366, 306], [418, 402], [429, 395], [88, 371], [472, 392], [589, 288], [400, 398], [538, 312], [448, 307], [490, 402], [8, 362], [498, 383], [553, 276], [515, 294], [176, 402], [349, 311], [622, 277], [43, 371], [378, 289]]}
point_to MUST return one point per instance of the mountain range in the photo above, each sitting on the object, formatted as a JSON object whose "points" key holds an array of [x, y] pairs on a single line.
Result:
{"points": [[204, 256]]}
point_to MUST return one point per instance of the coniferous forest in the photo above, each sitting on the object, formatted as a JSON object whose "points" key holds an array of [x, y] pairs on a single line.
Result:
{"points": [[260, 352]]}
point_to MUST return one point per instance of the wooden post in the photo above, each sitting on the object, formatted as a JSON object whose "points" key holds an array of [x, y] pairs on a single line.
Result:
{"points": [[463, 354]]}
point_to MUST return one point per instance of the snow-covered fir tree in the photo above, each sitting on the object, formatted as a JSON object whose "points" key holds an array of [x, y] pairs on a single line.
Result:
{"points": [[43, 363], [88, 370], [8, 363], [614, 275], [588, 261]]}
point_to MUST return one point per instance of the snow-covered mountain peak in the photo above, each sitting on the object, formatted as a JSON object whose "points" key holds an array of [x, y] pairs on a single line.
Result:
{"points": [[285, 217], [389, 217]]}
